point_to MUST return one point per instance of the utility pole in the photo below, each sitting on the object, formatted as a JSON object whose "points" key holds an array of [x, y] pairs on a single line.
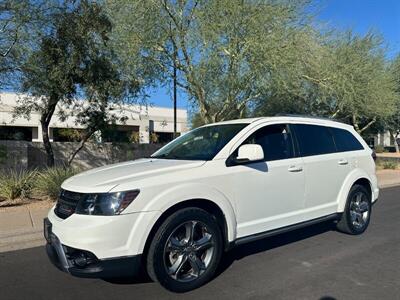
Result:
{"points": [[174, 87]]}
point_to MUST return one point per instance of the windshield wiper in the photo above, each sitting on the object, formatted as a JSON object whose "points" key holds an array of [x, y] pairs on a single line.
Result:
{"points": [[165, 156]]}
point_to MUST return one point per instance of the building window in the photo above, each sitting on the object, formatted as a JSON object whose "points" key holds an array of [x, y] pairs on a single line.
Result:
{"points": [[16, 133], [164, 137], [67, 134], [120, 134]]}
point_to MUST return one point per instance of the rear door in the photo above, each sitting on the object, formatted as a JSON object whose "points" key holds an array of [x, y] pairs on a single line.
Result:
{"points": [[325, 168]]}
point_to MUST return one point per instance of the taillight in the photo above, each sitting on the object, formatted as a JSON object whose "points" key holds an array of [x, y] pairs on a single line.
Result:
{"points": [[373, 154]]}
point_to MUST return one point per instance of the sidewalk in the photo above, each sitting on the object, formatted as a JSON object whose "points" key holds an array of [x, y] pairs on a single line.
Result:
{"points": [[22, 227], [388, 155], [388, 178]]}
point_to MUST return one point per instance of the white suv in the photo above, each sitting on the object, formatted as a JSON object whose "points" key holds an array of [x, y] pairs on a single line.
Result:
{"points": [[214, 187]]}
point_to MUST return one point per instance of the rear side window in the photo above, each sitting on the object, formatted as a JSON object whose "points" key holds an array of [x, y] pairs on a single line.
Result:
{"points": [[275, 140], [345, 140], [314, 139]]}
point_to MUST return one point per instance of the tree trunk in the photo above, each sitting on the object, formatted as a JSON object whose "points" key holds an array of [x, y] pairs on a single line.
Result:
{"points": [[394, 137], [45, 119], [355, 124], [47, 144], [357, 127], [80, 146], [368, 125]]}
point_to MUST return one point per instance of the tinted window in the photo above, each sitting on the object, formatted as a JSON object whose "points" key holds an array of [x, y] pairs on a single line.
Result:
{"points": [[345, 141], [314, 139], [275, 140]]}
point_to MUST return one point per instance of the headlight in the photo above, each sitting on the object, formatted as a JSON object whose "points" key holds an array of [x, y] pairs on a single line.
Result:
{"points": [[105, 204]]}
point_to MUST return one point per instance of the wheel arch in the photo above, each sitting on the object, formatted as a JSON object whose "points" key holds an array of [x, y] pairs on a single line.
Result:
{"points": [[206, 204], [365, 183], [356, 177]]}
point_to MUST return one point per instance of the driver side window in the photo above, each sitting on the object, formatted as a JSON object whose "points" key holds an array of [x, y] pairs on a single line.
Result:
{"points": [[275, 140]]}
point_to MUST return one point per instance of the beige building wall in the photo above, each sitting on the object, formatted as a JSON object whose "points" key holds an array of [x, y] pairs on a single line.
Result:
{"points": [[147, 118]]}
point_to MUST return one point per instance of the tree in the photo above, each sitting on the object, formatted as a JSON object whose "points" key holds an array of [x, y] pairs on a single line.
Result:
{"points": [[238, 58], [20, 23], [362, 88], [73, 60], [349, 80], [392, 123], [197, 120], [228, 53]]}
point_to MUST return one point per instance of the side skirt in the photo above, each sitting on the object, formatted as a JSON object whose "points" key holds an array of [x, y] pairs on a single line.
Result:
{"points": [[269, 233]]}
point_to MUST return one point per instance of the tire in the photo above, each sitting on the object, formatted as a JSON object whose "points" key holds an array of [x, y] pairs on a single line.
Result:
{"points": [[186, 250], [355, 218]]}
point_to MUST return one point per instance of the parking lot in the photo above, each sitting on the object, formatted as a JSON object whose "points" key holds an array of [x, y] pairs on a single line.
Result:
{"points": [[312, 263]]}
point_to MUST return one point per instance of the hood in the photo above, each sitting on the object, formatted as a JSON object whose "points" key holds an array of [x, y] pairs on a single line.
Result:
{"points": [[103, 179]]}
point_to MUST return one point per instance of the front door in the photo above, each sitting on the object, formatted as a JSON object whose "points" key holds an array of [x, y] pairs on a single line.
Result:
{"points": [[270, 194]]}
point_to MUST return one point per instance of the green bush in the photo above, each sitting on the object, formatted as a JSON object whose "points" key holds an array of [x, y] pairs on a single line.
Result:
{"points": [[48, 181], [16, 184]]}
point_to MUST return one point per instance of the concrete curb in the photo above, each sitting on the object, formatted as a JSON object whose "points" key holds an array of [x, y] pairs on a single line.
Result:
{"points": [[21, 239], [389, 185]]}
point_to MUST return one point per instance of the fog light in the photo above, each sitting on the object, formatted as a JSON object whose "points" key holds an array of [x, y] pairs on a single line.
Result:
{"points": [[81, 260]]}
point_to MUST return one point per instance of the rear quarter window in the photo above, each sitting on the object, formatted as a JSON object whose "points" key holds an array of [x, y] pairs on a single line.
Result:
{"points": [[345, 140]]}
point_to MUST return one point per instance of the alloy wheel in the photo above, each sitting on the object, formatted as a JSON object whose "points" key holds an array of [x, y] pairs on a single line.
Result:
{"points": [[188, 251], [359, 210]]}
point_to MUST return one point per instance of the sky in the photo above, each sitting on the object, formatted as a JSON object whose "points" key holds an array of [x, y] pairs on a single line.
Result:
{"points": [[383, 16], [362, 15]]}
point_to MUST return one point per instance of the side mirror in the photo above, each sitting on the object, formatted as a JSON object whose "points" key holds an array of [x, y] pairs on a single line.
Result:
{"points": [[249, 153]]}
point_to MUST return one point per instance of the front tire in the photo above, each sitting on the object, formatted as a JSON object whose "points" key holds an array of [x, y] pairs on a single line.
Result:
{"points": [[357, 212], [185, 251]]}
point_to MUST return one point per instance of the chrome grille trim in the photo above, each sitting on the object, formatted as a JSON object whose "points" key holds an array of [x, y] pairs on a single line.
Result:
{"points": [[67, 203]]}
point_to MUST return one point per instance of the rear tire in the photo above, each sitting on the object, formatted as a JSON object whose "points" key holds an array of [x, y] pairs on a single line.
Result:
{"points": [[186, 250], [357, 213]]}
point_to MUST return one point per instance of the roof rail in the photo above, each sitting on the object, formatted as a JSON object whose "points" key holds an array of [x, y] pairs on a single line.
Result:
{"points": [[308, 116]]}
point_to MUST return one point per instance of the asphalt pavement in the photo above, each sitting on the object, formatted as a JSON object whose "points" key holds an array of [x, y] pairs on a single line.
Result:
{"points": [[313, 263]]}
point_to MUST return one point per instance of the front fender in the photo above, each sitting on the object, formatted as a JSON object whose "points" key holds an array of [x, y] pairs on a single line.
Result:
{"points": [[180, 193]]}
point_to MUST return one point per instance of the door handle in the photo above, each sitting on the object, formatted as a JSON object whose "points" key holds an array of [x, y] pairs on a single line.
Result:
{"points": [[295, 169], [343, 162]]}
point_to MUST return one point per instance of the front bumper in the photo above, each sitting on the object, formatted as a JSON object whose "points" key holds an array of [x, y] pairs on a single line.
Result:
{"points": [[83, 263], [107, 237]]}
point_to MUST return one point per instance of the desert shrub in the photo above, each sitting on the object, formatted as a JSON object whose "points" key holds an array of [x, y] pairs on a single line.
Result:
{"points": [[48, 181], [389, 164], [154, 138], [134, 137], [16, 184]]}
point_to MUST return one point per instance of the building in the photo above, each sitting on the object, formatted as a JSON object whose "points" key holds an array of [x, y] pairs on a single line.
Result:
{"points": [[140, 120], [386, 140]]}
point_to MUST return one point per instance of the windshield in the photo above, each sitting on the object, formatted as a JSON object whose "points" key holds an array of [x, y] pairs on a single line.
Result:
{"points": [[200, 144]]}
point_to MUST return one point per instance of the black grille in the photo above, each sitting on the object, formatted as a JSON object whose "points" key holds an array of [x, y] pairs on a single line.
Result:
{"points": [[66, 204]]}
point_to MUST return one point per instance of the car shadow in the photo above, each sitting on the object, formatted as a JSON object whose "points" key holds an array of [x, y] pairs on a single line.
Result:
{"points": [[140, 278], [244, 250], [273, 242]]}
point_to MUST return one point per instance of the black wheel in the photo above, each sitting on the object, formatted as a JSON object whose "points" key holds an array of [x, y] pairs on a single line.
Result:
{"points": [[357, 212], [186, 250]]}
